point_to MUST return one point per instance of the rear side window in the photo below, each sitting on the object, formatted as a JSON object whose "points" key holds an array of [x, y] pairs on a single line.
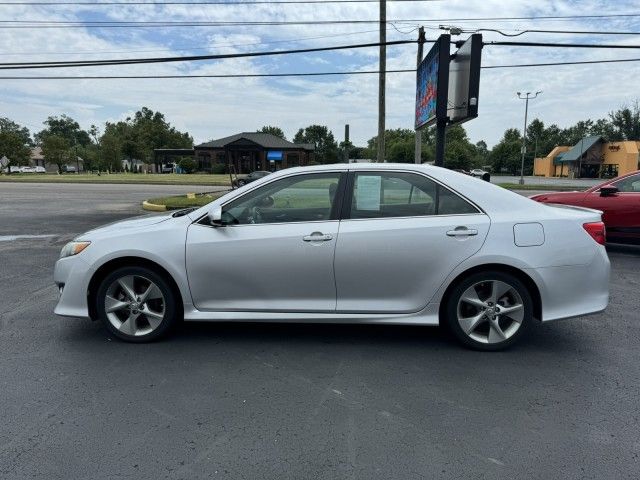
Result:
{"points": [[391, 194]]}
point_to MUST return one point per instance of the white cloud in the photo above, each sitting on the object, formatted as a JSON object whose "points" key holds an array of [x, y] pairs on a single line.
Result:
{"points": [[210, 108]]}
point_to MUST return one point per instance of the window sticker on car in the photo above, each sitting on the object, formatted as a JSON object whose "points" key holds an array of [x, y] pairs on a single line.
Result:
{"points": [[368, 192]]}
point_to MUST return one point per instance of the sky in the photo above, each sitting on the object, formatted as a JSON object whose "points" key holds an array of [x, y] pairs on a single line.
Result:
{"points": [[211, 108]]}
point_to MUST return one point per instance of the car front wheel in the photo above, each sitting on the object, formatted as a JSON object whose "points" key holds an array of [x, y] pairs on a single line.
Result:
{"points": [[136, 304], [489, 310]]}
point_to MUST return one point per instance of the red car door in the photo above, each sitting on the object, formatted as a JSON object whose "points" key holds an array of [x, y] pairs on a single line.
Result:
{"points": [[621, 209]]}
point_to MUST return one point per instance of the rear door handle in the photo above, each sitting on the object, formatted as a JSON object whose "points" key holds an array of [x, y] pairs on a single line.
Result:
{"points": [[462, 232], [317, 237]]}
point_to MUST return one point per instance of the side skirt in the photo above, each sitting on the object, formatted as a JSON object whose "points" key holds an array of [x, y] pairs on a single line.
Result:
{"points": [[427, 316]]}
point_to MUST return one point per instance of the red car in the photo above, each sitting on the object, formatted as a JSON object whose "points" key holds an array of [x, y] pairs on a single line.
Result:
{"points": [[618, 198]]}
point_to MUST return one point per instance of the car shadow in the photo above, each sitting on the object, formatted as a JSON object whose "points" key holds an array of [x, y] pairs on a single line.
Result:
{"points": [[554, 337]]}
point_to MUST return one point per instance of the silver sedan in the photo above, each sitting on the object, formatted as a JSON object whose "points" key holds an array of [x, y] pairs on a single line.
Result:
{"points": [[358, 243]]}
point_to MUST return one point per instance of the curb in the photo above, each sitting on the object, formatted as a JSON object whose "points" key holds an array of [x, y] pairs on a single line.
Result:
{"points": [[152, 207]]}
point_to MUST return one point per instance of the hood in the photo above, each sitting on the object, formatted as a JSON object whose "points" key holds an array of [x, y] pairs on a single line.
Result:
{"points": [[136, 222]]}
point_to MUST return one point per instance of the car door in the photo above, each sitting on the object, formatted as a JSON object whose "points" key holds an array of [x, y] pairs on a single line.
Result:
{"points": [[621, 209], [402, 234], [274, 251]]}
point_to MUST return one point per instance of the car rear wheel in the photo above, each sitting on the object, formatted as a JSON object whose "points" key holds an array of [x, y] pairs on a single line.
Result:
{"points": [[241, 183], [489, 310], [136, 304]]}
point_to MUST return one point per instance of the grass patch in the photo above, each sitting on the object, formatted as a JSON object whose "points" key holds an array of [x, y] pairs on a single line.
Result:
{"points": [[182, 201], [130, 178], [550, 188]]}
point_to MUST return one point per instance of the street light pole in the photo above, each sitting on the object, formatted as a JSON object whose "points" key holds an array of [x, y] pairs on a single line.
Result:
{"points": [[526, 97]]}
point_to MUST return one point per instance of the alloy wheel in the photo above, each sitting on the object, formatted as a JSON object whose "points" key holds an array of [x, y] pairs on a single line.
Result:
{"points": [[134, 305], [490, 311]]}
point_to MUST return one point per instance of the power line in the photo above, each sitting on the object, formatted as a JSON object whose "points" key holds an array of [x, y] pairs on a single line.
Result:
{"points": [[20, 24], [298, 74], [560, 45], [561, 64], [572, 32], [134, 61]]}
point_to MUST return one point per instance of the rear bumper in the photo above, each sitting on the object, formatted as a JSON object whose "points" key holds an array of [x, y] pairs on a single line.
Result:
{"points": [[575, 290], [71, 276]]}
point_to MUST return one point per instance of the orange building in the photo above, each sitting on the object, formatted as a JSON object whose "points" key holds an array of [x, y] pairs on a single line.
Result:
{"points": [[591, 157]]}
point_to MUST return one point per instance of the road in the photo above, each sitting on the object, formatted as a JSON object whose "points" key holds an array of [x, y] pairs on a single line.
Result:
{"points": [[297, 401], [577, 183]]}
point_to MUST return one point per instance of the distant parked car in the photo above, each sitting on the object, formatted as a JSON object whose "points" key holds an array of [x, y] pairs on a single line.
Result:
{"points": [[618, 198], [27, 169], [477, 172], [168, 167], [40, 169], [69, 169], [252, 177]]}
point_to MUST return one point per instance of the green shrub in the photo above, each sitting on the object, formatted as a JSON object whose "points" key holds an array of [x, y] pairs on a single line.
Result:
{"points": [[188, 165], [219, 168]]}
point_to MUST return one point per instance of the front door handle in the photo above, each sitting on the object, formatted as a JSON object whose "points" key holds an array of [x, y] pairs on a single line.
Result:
{"points": [[317, 237], [462, 232]]}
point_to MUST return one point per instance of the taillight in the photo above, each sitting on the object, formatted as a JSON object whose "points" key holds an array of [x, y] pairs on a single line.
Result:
{"points": [[597, 231]]}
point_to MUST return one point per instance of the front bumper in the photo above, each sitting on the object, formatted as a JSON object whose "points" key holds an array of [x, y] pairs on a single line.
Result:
{"points": [[72, 275]]}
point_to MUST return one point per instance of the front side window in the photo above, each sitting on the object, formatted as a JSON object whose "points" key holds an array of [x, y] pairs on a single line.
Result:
{"points": [[303, 198], [630, 184], [382, 195]]}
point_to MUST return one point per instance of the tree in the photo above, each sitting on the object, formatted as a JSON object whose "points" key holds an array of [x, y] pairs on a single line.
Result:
{"points": [[326, 148], [13, 147], [14, 143], [459, 152], [507, 153], [625, 123], [277, 131], [482, 154], [399, 145], [56, 150], [137, 137], [64, 127], [9, 126]]}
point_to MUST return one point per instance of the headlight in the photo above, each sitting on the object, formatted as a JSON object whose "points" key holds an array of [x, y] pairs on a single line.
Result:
{"points": [[73, 248]]}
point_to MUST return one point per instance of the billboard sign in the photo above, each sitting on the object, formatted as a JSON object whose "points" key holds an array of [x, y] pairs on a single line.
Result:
{"points": [[464, 81], [432, 84]]}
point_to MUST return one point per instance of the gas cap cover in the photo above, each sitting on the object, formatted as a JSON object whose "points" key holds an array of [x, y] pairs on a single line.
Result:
{"points": [[528, 234]]}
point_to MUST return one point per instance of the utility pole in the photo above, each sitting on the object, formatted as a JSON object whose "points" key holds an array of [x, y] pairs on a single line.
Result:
{"points": [[581, 154], [381, 80], [418, 149], [526, 97], [346, 143]]}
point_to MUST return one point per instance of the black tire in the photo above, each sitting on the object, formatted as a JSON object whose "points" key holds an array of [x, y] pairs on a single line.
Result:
{"points": [[453, 299], [241, 183], [168, 301]]}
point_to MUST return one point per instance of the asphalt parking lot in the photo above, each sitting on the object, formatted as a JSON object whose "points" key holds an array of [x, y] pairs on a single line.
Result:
{"points": [[296, 401]]}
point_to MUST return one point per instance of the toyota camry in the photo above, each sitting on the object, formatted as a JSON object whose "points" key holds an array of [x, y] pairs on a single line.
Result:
{"points": [[358, 243]]}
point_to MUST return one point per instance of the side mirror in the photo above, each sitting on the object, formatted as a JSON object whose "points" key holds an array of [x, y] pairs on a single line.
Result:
{"points": [[608, 191], [215, 216]]}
